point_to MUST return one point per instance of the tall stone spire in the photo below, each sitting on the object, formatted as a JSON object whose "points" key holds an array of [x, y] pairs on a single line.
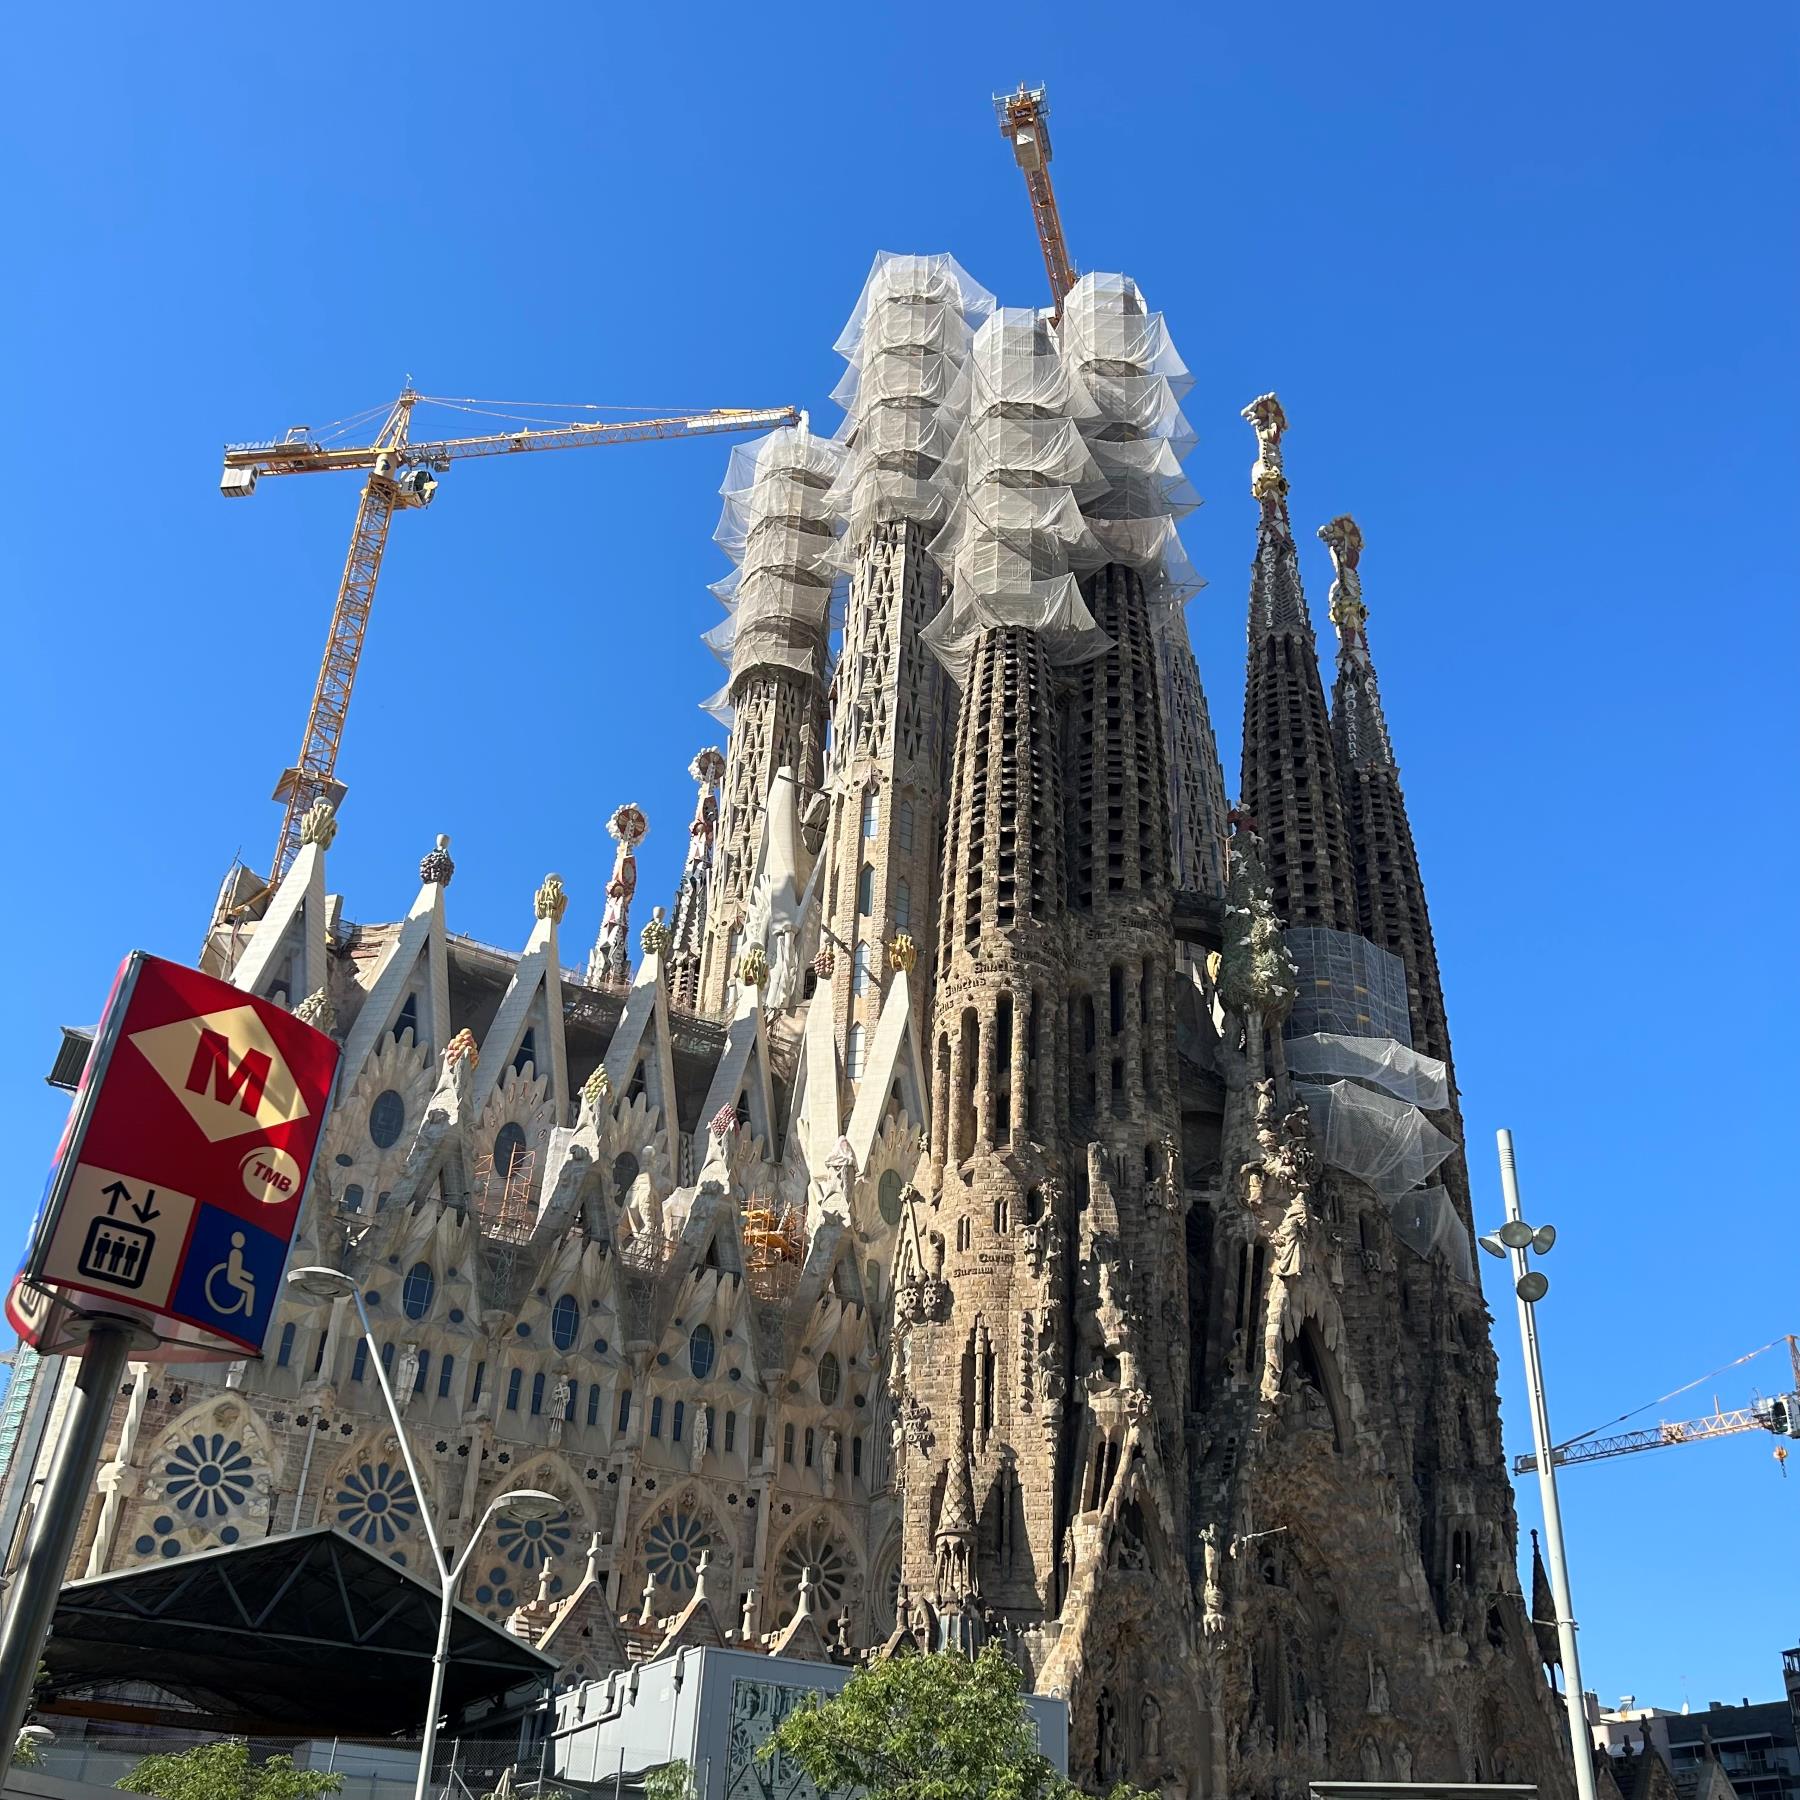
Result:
{"points": [[609, 964], [1198, 811], [689, 942], [1290, 780], [1390, 891], [894, 709], [779, 527]]}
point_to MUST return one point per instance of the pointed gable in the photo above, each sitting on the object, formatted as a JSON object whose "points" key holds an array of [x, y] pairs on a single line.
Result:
{"points": [[411, 989], [893, 1059], [529, 1023], [285, 957], [742, 1076]]}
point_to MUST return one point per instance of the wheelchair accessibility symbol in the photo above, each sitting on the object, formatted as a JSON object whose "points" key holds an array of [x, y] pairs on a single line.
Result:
{"points": [[234, 1280]]}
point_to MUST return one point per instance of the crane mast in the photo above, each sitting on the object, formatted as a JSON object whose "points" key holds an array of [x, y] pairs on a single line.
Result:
{"points": [[401, 476], [1024, 123], [1780, 1415]]}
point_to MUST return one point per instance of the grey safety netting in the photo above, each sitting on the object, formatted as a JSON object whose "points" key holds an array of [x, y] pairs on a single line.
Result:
{"points": [[1426, 1222], [1406, 1074], [1387, 1144], [1016, 537], [1347, 986], [779, 526], [1122, 354], [907, 344], [1350, 1021]]}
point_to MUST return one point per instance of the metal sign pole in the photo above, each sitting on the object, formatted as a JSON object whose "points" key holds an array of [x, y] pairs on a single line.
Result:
{"points": [[71, 1479]]}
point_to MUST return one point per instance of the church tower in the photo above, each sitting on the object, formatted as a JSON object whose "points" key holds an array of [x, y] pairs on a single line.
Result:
{"points": [[893, 707], [688, 944], [1290, 783], [1390, 891], [778, 526]]}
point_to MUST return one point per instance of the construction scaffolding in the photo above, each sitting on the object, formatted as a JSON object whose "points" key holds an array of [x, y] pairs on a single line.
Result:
{"points": [[779, 527]]}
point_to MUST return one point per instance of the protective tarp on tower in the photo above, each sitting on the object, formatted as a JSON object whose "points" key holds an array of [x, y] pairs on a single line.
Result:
{"points": [[779, 526], [1122, 354], [907, 343], [1015, 539], [1350, 1021]]}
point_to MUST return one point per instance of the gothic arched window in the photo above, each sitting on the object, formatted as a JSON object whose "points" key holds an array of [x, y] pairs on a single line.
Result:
{"points": [[855, 1052], [701, 1351], [871, 814], [902, 904], [865, 890], [830, 1378]]}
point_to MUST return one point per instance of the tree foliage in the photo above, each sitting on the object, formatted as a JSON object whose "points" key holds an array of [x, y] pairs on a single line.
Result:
{"points": [[673, 1781], [926, 1728], [224, 1771]]}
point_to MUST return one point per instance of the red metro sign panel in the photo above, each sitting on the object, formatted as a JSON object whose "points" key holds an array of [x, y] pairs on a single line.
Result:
{"points": [[178, 1183]]}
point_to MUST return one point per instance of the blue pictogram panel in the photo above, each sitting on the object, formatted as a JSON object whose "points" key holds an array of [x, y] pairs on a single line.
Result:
{"points": [[230, 1275]]}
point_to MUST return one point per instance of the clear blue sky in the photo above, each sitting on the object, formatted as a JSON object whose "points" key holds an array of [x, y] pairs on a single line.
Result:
{"points": [[1523, 276]]}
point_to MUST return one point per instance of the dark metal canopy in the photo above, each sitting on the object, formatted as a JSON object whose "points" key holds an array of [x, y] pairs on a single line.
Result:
{"points": [[309, 1632]]}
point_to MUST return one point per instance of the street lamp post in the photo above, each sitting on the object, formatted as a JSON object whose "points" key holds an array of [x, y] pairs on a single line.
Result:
{"points": [[520, 1504], [1514, 1239]]}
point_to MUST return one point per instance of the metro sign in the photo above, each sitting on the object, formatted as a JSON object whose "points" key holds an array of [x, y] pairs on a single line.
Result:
{"points": [[179, 1180]]}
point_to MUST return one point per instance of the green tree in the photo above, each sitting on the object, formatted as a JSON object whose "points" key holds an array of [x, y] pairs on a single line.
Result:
{"points": [[673, 1781], [224, 1771], [926, 1728]]}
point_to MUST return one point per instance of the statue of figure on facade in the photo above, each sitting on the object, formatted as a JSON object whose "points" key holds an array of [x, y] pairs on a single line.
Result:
{"points": [[702, 1436], [562, 1391], [406, 1377], [828, 1449], [1151, 1724], [1378, 1688], [1212, 1620], [1266, 1164]]}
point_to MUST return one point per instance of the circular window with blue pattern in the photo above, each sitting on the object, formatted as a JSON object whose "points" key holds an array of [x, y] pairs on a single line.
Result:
{"points": [[672, 1548], [208, 1475], [376, 1503], [530, 1543]]}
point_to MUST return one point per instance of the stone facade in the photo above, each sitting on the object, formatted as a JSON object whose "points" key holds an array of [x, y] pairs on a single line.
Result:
{"points": [[920, 1245]]}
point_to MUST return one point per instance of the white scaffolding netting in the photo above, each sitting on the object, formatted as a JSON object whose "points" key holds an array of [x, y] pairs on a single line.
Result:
{"points": [[1387, 1144], [1418, 1080], [1122, 354], [1015, 539], [779, 527], [907, 345]]}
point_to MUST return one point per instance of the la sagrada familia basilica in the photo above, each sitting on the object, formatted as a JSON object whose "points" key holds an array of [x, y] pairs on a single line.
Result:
{"points": [[1003, 1194]]}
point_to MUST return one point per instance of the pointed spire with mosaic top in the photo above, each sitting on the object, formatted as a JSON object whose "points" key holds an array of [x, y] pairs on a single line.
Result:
{"points": [[1290, 776], [1390, 891]]}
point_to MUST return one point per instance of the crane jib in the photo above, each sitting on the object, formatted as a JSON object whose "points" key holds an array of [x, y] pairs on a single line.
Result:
{"points": [[398, 481]]}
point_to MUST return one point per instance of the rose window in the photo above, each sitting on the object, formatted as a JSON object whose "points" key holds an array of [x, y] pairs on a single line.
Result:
{"points": [[533, 1542], [816, 1546], [207, 1476], [672, 1548], [376, 1504]]}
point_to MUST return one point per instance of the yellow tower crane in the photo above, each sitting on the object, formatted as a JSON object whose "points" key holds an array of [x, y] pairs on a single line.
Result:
{"points": [[1025, 124], [1780, 1416], [400, 475]]}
